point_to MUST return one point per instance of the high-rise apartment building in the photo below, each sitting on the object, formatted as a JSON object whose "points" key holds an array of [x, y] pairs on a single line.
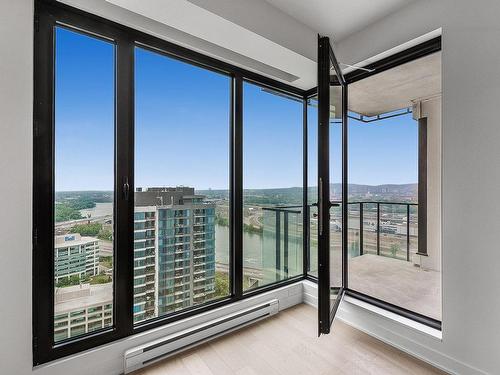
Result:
{"points": [[75, 255], [174, 251]]}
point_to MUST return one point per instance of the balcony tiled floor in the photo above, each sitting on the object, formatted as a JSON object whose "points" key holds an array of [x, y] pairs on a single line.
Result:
{"points": [[397, 282], [287, 344]]}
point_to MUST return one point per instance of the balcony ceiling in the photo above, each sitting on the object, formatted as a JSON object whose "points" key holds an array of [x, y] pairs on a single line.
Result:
{"points": [[338, 18], [398, 87]]}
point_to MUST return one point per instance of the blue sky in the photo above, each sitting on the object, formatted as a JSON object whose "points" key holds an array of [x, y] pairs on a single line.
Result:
{"points": [[380, 152], [84, 112], [182, 128], [182, 124], [383, 152], [272, 140]]}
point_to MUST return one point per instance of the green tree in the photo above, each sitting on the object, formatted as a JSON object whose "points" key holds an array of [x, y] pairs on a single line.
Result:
{"points": [[100, 279], [106, 261], [394, 249], [65, 212], [89, 229], [105, 234], [249, 228], [72, 280], [221, 284], [222, 221]]}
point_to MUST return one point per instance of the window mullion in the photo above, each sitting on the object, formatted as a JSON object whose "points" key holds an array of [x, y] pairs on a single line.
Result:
{"points": [[237, 186], [124, 187]]}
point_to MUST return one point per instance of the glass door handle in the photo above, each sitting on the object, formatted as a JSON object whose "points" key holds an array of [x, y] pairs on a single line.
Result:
{"points": [[126, 188]]}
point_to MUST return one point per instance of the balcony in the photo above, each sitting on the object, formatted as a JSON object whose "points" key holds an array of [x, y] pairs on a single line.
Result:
{"points": [[383, 248], [387, 257]]}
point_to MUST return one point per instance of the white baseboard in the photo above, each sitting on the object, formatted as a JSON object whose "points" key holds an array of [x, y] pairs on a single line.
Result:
{"points": [[405, 336], [310, 293]]}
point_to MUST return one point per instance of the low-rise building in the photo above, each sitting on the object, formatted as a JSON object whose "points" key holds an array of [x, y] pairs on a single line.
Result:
{"points": [[75, 255]]}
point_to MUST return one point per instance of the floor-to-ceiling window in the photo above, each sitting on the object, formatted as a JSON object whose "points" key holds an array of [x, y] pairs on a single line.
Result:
{"points": [[84, 127], [181, 219], [272, 186], [312, 183], [394, 186], [136, 183]]}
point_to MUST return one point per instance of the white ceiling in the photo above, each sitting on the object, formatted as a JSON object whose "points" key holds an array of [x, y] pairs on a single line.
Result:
{"points": [[276, 38], [338, 18], [277, 61]]}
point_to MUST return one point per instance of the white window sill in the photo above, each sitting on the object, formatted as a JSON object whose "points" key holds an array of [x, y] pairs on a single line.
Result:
{"points": [[422, 328]]}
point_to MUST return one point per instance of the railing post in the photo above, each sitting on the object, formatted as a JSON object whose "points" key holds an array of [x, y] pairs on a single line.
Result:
{"points": [[308, 239], [278, 245], [378, 228], [285, 243], [407, 232], [360, 228]]}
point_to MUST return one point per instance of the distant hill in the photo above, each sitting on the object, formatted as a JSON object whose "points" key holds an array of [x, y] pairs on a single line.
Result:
{"points": [[355, 188], [387, 192], [380, 189], [293, 195], [77, 200]]}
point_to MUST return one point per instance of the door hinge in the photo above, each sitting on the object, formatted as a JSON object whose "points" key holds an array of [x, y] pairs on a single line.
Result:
{"points": [[35, 128]]}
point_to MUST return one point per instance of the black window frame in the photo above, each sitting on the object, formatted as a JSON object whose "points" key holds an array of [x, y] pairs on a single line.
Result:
{"points": [[48, 15], [305, 222], [413, 53]]}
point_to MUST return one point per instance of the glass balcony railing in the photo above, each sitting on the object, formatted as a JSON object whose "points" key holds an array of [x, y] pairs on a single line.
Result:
{"points": [[387, 229], [282, 243]]}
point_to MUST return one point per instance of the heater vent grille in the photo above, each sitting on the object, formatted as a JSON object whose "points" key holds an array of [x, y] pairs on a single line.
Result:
{"points": [[159, 349]]}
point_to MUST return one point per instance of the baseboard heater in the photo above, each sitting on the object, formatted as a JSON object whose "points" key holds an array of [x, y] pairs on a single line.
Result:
{"points": [[164, 347]]}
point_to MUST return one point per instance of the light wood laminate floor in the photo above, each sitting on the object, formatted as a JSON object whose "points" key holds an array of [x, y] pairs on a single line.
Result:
{"points": [[287, 344]]}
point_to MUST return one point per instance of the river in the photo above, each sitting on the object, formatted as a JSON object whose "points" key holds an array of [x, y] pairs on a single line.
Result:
{"points": [[252, 256]]}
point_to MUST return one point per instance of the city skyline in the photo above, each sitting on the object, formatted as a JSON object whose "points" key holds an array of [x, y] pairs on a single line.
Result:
{"points": [[246, 189]]}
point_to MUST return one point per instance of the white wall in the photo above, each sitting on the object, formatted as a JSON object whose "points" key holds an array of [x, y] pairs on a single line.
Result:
{"points": [[266, 20], [470, 174], [16, 102]]}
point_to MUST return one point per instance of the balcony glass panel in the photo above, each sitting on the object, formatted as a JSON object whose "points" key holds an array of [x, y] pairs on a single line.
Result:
{"points": [[272, 187], [312, 183]]}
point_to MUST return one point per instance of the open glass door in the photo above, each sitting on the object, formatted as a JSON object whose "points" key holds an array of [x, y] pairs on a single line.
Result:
{"points": [[332, 185]]}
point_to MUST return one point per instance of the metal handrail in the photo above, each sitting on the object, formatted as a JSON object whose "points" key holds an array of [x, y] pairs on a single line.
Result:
{"points": [[282, 215], [378, 204]]}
